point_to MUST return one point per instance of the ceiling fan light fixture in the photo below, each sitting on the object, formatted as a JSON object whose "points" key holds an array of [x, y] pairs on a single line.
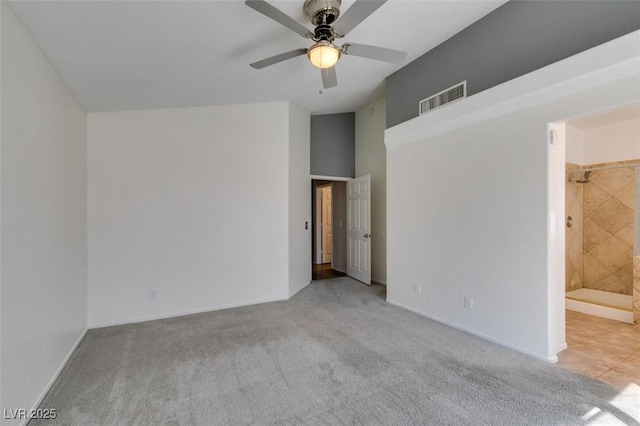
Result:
{"points": [[324, 54]]}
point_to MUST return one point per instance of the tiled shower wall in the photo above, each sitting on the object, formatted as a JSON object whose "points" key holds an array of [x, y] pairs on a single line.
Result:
{"points": [[599, 245], [609, 229]]}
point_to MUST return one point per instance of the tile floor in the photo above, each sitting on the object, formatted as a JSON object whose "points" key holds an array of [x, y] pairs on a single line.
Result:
{"points": [[603, 349]]}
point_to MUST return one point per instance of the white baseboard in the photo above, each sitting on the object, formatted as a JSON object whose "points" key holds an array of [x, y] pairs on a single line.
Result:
{"points": [[384, 283], [300, 289], [56, 374], [549, 359], [183, 313]]}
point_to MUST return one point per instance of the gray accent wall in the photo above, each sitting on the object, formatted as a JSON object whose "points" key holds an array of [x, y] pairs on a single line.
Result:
{"points": [[517, 38], [371, 159], [333, 145]]}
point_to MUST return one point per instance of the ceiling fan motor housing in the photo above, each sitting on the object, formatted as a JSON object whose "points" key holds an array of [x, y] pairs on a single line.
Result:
{"points": [[322, 12]]}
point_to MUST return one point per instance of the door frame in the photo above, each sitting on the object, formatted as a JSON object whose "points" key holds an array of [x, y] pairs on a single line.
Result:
{"points": [[317, 226], [327, 216], [317, 258]]}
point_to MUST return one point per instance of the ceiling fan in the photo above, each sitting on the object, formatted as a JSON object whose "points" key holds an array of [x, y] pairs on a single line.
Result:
{"points": [[324, 54]]}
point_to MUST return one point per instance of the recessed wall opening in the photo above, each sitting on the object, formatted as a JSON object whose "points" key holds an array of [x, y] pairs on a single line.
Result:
{"points": [[601, 209]]}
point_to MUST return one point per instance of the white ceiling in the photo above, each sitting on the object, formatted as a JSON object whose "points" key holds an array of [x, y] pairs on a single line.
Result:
{"points": [[126, 55]]}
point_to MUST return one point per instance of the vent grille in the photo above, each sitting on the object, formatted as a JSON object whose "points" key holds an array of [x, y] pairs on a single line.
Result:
{"points": [[447, 96]]}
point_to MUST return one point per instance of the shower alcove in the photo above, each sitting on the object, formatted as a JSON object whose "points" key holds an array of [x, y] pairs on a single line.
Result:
{"points": [[602, 263]]}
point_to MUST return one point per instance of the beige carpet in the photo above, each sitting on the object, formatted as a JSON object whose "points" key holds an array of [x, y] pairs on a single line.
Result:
{"points": [[335, 353]]}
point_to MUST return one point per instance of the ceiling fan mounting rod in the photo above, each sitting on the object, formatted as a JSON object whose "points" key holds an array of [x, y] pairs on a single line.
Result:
{"points": [[323, 32], [322, 12]]}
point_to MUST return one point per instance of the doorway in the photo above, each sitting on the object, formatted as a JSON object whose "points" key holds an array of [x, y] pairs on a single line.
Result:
{"points": [[602, 244], [329, 235], [601, 227]]}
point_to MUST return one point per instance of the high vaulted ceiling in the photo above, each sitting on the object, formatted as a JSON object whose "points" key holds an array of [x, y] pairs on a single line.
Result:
{"points": [[126, 55]]}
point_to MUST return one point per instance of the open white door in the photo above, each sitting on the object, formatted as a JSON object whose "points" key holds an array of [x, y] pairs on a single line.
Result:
{"points": [[359, 228]]}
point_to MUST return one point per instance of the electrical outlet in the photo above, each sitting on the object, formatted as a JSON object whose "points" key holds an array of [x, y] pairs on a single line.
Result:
{"points": [[153, 294], [468, 302], [417, 289]]}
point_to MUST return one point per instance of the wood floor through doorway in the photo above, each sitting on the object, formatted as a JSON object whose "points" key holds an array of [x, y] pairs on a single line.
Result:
{"points": [[324, 272]]}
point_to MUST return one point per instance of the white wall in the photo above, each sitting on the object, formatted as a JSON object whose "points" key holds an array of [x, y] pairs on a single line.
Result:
{"points": [[43, 227], [613, 142], [617, 141], [467, 217], [574, 144], [299, 199], [192, 202], [2, 30], [371, 160], [469, 212]]}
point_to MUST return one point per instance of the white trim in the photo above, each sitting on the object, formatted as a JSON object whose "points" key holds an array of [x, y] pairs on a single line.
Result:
{"points": [[299, 290], [56, 374], [608, 62], [556, 184], [551, 360], [317, 225], [333, 178], [189, 312]]}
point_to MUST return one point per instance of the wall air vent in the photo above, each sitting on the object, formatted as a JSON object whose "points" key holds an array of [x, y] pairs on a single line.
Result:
{"points": [[459, 91]]}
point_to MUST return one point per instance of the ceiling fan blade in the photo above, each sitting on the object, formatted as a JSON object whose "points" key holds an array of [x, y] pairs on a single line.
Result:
{"points": [[329, 78], [271, 12], [278, 58], [374, 52], [358, 12]]}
